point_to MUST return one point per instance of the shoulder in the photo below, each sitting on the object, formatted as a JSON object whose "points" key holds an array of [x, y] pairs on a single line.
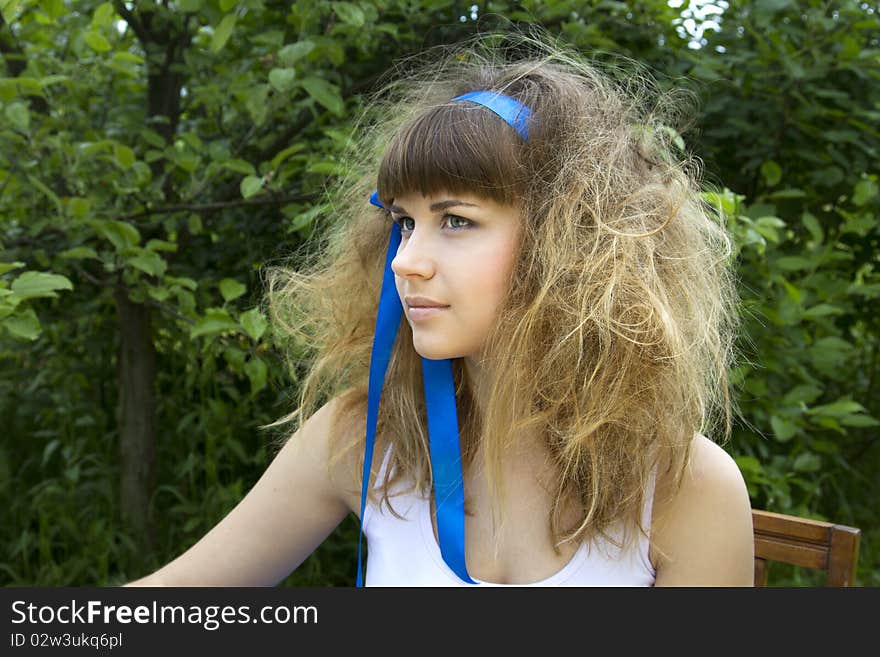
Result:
{"points": [[343, 422], [702, 531]]}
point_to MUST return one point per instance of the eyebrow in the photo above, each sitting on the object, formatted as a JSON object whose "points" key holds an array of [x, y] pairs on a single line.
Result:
{"points": [[439, 206]]}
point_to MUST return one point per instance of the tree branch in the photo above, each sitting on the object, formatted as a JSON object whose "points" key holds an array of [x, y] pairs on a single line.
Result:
{"points": [[218, 205], [168, 309], [94, 281], [142, 34]]}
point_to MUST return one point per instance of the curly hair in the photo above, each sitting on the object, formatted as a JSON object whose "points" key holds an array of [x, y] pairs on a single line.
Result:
{"points": [[618, 328]]}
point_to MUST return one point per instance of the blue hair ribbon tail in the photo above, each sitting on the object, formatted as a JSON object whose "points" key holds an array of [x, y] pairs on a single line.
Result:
{"points": [[438, 382], [387, 323], [446, 463], [442, 423]]}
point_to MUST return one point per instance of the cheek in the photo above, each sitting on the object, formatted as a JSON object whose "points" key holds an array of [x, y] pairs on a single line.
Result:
{"points": [[492, 275]]}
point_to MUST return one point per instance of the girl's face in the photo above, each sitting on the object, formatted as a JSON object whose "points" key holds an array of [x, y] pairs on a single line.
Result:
{"points": [[456, 252]]}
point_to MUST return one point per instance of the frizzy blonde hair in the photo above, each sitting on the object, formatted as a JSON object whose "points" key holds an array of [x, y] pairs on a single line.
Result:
{"points": [[617, 331]]}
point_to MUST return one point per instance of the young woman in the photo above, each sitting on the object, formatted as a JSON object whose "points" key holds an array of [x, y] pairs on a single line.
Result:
{"points": [[568, 318]]}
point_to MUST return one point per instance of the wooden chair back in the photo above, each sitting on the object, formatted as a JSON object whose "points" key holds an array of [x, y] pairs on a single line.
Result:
{"points": [[804, 542]]}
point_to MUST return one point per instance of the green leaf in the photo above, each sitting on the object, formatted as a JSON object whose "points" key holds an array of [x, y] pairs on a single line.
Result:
{"points": [[190, 6], [52, 196], [78, 253], [812, 224], [325, 93], [772, 173], [186, 301], [250, 186], [833, 343], [783, 429], [725, 202], [25, 325], [97, 42], [303, 219], [794, 263], [823, 310], [240, 166], [282, 79], [121, 234], [10, 9], [148, 262], [673, 135], [235, 357], [192, 140], [152, 138], [9, 266], [805, 393], [257, 372], [50, 449], [226, 5], [231, 289], [215, 321], [17, 87], [34, 284], [18, 115], [791, 192], [840, 408], [749, 465], [182, 281], [161, 245], [865, 190], [194, 224], [349, 14], [255, 103], [253, 323], [222, 32], [124, 156], [792, 291], [103, 15], [807, 462], [284, 154], [327, 167], [293, 52], [79, 207], [767, 226], [127, 58], [158, 293], [859, 421], [49, 80]]}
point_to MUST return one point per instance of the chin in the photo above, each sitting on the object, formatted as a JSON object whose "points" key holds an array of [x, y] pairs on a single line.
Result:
{"points": [[434, 351]]}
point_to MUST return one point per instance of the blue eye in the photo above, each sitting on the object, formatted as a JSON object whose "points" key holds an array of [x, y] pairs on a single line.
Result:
{"points": [[452, 217], [400, 221], [455, 222]]}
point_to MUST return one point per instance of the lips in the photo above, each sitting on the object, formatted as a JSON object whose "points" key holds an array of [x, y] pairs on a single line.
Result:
{"points": [[420, 308], [423, 302], [418, 313]]}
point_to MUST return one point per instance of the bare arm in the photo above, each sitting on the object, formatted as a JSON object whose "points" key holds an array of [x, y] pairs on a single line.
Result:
{"points": [[706, 530], [286, 515]]}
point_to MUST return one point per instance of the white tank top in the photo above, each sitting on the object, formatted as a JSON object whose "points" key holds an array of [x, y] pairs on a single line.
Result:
{"points": [[404, 552]]}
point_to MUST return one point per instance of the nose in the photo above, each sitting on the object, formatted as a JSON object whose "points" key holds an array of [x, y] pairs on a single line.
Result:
{"points": [[414, 257]]}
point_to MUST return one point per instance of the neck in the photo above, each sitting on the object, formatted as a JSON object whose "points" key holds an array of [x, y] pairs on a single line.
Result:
{"points": [[478, 379]]}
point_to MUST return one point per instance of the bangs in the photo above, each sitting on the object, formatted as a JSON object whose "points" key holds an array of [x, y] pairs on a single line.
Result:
{"points": [[459, 147]]}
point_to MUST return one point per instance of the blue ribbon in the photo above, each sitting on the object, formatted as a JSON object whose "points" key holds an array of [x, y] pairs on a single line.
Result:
{"points": [[511, 110], [387, 323], [442, 423], [438, 382]]}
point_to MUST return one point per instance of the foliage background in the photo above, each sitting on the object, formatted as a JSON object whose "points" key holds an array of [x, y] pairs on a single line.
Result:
{"points": [[154, 156]]}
